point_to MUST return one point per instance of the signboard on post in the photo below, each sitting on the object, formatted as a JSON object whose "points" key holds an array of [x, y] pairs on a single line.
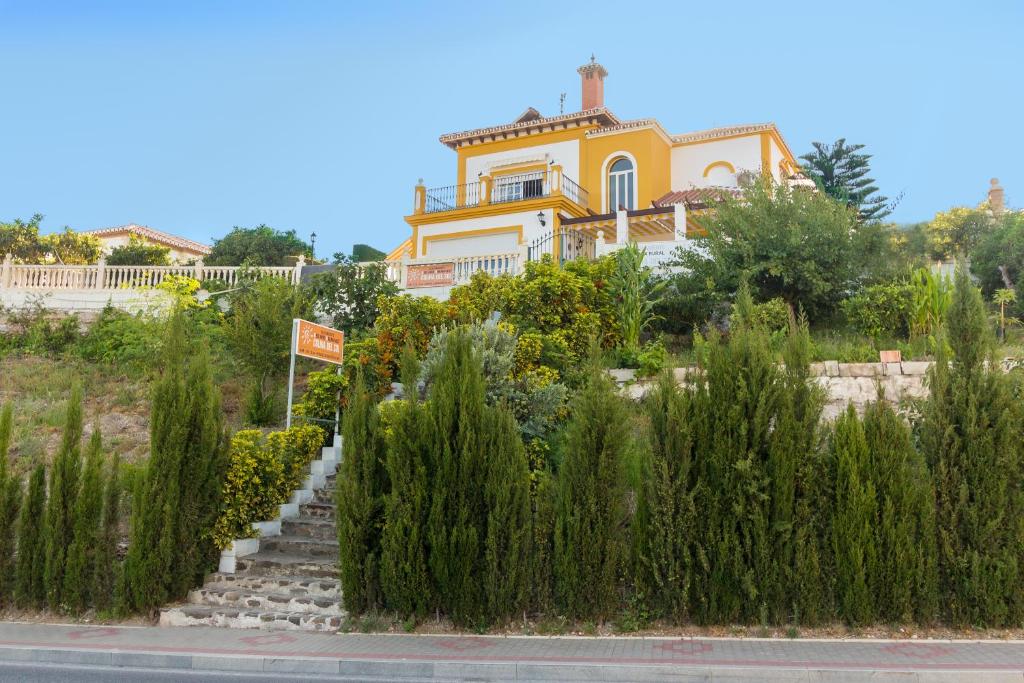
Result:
{"points": [[430, 275], [318, 342]]}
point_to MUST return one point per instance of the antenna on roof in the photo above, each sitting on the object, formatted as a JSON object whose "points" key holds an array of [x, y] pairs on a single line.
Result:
{"points": [[561, 103]]}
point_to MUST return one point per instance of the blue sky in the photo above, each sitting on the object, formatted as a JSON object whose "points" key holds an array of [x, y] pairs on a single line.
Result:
{"points": [[193, 117]]}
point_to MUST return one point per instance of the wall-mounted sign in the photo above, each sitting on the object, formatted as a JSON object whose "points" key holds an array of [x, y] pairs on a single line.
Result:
{"points": [[430, 275], [319, 342]]}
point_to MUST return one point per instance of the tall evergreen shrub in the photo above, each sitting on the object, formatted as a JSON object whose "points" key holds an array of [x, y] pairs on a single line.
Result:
{"points": [[904, 580], [81, 563], [456, 456], [405, 577], [105, 578], [590, 547], [63, 494], [970, 432], [10, 500], [178, 497], [29, 588], [852, 539], [360, 497], [665, 513]]}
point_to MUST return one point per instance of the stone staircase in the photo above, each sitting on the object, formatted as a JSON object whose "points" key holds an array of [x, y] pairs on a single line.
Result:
{"points": [[290, 581]]}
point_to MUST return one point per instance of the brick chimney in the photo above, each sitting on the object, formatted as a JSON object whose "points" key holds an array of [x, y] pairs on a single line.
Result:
{"points": [[996, 198], [592, 79]]}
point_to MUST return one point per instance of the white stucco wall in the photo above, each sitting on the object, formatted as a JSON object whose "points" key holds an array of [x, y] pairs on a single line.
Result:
{"points": [[483, 244], [566, 153], [87, 302], [689, 161]]}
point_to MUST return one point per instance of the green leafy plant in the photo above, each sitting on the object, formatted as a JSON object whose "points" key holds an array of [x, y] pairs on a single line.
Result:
{"points": [[932, 296], [636, 293], [882, 310]]}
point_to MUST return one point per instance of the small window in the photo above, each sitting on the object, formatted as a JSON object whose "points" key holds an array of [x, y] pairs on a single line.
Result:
{"points": [[620, 185]]}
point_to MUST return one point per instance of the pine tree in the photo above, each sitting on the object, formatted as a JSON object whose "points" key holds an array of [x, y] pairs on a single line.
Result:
{"points": [[81, 562], [178, 498], [590, 549], [360, 495], [29, 588], [970, 433], [852, 539], [841, 172], [457, 519], [665, 512], [105, 578], [507, 492], [63, 494], [405, 578], [10, 499]]}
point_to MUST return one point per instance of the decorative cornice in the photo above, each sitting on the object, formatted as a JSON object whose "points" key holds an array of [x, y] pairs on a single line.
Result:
{"points": [[599, 116], [726, 132]]}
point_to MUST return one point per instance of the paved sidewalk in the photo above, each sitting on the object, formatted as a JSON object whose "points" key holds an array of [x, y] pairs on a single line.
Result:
{"points": [[391, 657]]}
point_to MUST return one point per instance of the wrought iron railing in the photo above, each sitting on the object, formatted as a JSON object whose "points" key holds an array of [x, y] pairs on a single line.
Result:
{"points": [[452, 197], [573, 244], [503, 189]]}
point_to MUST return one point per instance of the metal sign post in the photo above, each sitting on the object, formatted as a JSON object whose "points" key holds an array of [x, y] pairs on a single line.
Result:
{"points": [[291, 372]]}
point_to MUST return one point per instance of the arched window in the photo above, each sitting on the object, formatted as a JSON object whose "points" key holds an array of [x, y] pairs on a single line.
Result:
{"points": [[620, 185]]}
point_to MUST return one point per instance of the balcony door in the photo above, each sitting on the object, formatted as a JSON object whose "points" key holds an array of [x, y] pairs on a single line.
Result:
{"points": [[513, 188]]}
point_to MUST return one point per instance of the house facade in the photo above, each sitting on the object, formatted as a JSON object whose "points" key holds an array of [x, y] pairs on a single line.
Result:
{"points": [[570, 184], [181, 250]]}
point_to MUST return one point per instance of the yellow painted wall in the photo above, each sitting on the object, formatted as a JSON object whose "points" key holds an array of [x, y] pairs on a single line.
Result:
{"points": [[653, 161]]}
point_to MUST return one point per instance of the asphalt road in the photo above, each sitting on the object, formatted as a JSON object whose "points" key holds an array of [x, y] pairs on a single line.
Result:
{"points": [[58, 673]]}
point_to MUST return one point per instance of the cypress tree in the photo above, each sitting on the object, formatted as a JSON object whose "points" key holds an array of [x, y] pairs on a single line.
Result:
{"points": [[10, 499], [507, 492], [904, 580], [361, 490], [970, 433], [29, 588], [178, 497], [104, 580], [590, 548], [81, 563], [852, 539], [457, 520], [405, 578], [665, 511], [736, 405], [63, 495]]}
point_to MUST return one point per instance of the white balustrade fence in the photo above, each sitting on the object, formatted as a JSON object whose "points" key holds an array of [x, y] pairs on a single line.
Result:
{"points": [[102, 276]]}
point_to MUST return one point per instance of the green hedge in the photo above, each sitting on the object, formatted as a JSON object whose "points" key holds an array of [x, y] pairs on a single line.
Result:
{"points": [[263, 472]]}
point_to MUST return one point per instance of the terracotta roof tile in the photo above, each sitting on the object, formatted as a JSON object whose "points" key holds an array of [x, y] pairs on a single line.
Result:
{"points": [[153, 235], [700, 196]]}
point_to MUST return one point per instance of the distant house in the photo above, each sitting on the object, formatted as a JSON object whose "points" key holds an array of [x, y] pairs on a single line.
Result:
{"points": [[181, 250]]}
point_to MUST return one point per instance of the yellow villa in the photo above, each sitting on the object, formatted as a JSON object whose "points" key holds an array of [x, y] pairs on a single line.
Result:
{"points": [[573, 185]]}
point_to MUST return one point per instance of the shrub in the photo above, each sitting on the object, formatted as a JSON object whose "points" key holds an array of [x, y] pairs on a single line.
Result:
{"points": [[120, 338], [881, 311], [652, 359], [360, 494], [81, 560], [10, 499], [63, 495], [105, 578], [970, 432], [176, 502], [262, 472], [590, 548], [29, 587], [322, 398]]}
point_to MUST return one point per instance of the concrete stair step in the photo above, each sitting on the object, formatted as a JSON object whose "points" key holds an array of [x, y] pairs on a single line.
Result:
{"points": [[273, 602], [312, 527], [303, 546], [324, 495], [207, 615], [286, 585], [318, 510], [266, 563]]}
